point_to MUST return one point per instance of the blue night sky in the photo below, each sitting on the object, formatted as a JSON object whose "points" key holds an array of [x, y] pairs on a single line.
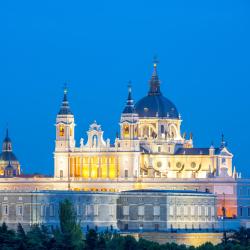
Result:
{"points": [[203, 48]]}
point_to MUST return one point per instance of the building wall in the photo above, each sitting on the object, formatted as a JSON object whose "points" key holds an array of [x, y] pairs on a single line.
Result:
{"points": [[106, 210]]}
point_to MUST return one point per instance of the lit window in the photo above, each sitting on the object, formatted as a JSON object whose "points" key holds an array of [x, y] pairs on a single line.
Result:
{"points": [[61, 130], [126, 130]]}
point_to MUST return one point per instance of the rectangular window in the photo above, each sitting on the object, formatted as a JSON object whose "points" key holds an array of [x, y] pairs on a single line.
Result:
{"points": [[178, 210], [42, 210], [248, 211], [171, 210], [156, 211], [111, 210], [126, 210], [199, 210], [212, 211], [19, 210], [61, 173], [185, 211], [51, 210], [192, 210], [126, 173], [206, 211], [88, 210], [241, 211], [5, 209], [141, 210], [95, 210]]}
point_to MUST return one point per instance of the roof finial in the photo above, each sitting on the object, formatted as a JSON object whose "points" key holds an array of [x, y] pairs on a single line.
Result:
{"points": [[155, 82], [129, 90], [155, 61]]}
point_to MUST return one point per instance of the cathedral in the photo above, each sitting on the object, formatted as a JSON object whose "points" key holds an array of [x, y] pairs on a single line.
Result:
{"points": [[149, 153], [150, 145]]}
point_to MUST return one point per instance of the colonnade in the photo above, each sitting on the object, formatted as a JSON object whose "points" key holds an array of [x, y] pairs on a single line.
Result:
{"points": [[94, 167]]}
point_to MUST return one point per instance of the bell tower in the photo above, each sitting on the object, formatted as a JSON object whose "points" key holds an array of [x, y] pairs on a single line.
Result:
{"points": [[129, 119], [65, 127], [65, 138]]}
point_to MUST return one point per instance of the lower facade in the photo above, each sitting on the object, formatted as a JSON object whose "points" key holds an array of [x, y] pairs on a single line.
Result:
{"points": [[130, 211]]}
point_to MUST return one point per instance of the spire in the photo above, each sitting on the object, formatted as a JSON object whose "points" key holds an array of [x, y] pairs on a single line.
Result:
{"points": [[223, 142], [155, 82], [7, 135], [130, 107], [65, 109], [7, 145]]}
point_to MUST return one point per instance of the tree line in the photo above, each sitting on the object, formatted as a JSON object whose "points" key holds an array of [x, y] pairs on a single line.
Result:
{"points": [[68, 236]]}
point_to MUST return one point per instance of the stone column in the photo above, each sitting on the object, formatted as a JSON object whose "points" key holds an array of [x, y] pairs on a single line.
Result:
{"points": [[99, 168], [89, 160], [107, 167]]}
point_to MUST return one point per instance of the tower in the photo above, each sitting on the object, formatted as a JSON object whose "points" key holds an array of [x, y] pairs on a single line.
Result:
{"points": [[65, 138], [65, 127], [129, 119], [7, 157], [129, 142]]}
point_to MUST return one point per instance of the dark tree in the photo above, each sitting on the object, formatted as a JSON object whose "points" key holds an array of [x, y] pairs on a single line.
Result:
{"points": [[7, 238], [70, 236], [91, 240]]}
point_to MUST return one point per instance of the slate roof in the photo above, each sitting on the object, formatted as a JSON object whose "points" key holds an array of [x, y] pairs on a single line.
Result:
{"points": [[195, 151]]}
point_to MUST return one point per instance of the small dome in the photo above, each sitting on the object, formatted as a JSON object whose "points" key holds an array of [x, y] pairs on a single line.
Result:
{"points": [[156, 106]]}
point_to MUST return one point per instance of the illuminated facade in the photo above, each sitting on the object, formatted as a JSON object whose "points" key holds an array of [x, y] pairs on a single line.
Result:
{"points": [[150, 145], [150, 152]]}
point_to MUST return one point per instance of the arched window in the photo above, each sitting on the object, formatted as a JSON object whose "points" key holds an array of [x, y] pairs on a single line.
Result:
{"points": [[162, 129], [126, 130], [61, 130]]}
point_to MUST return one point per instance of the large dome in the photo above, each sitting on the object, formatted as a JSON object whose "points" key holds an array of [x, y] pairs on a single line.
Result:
{"points": [[155, 104]]}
